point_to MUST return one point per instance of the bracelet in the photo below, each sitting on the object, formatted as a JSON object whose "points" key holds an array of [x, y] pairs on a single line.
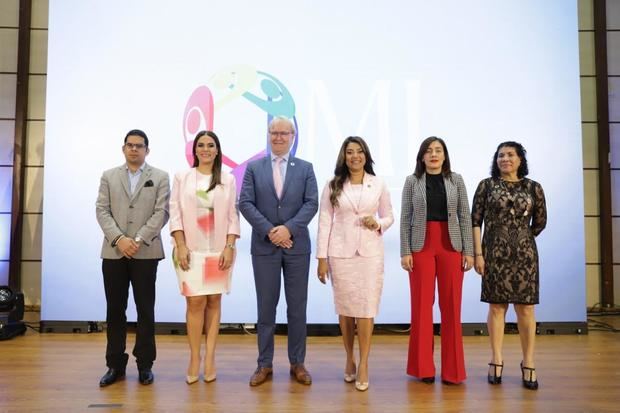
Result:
{"points": [[231, 246], [479, 255]]}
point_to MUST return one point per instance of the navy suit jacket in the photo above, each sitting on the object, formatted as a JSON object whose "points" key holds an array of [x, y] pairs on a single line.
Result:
{"points": [[260, 205]]}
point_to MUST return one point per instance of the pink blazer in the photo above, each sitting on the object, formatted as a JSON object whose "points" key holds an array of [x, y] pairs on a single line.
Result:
{"points": [[183, 208], [340, 233]]}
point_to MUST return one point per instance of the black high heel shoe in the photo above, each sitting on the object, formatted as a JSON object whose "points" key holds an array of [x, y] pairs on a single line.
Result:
{"points": [[495, 378], [529, 383]]}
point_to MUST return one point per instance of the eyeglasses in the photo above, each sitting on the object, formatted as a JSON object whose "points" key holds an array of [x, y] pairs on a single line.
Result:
{"points": [[137, 146], [275, 134]]}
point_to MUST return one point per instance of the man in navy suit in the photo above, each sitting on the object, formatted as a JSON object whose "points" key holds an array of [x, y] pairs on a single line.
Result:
{"points": [[279, 197]]}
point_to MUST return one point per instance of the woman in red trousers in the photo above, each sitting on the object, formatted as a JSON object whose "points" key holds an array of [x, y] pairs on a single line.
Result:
{"points": [[435, 244]]}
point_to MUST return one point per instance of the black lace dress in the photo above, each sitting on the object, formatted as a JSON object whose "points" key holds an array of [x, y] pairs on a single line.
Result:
{"points": [[513, 214]]}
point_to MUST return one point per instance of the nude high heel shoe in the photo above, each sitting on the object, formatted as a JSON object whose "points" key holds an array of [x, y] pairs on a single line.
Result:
{"points": [[350, 377], [361, 386]]}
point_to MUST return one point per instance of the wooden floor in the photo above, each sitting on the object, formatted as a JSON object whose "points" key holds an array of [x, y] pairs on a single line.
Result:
{"points": [[60, 373]]}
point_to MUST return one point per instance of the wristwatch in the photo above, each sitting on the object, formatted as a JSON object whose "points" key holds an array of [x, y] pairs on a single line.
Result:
{"points": [[117, 239], [231, 246], [138, 239]]}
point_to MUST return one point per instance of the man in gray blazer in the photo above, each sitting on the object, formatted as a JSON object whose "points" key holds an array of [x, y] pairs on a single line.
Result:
{"points": [[279, 197], [132, 208]]}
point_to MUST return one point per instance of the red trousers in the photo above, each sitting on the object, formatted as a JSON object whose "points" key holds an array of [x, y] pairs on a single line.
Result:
{"points": [[436, 260]]}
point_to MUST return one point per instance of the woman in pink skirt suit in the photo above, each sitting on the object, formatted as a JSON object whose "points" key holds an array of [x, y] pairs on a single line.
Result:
{"points": [[355, 211]]}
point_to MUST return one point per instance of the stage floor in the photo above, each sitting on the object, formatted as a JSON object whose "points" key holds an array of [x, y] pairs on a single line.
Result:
{"points": [[60, 373]]}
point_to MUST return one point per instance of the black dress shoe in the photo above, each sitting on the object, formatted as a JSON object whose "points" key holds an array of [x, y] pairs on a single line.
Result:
{"points": [[111, 376], [528, 383], [428, 380], [145, 376]]}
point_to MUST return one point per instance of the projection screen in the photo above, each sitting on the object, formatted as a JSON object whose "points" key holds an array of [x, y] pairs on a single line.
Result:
{"points": [[394, 72]]}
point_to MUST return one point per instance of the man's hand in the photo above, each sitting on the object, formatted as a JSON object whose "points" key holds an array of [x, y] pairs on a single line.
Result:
{"points": [[281, 236], [127, 247]]}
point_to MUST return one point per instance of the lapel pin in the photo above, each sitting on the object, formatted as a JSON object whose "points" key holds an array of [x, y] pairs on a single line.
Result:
{"points": [[292, 164]]}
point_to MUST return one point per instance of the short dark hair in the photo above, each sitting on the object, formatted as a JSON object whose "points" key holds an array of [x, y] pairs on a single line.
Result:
{"points": [[521, 152], [420, 167], [140, 133]]}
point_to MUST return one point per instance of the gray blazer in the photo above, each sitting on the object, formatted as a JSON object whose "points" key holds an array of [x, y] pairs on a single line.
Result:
{"points": [[413, 215], [142, 214]]}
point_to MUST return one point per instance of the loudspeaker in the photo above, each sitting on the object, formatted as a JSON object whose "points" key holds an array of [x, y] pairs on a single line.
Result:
{"points": [[12, 329], [11, 313], [17, 313]]}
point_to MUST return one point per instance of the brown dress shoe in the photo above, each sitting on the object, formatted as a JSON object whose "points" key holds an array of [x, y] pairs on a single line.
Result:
{"points": [[260, 375], [301, 374]]}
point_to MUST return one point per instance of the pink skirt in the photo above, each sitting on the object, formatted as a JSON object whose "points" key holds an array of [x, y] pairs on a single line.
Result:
{"points": [[357, 283]]}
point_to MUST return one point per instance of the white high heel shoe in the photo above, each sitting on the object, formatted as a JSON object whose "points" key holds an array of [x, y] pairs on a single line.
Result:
{"points": [[349, 378], [191, 379], [361, 386]]}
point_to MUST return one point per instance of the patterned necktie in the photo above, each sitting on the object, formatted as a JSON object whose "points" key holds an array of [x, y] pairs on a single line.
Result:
{"points": [[277, 177]]}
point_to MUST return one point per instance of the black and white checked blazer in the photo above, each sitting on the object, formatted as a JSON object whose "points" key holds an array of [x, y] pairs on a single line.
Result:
{"points": [[413, 215]]}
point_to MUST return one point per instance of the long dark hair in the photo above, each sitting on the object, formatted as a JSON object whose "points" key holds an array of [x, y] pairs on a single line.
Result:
{"points": [[420, 167], [521, 152], [342, 173], [217, 162]]}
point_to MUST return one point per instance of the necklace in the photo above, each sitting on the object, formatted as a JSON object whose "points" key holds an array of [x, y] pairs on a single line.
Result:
{"points": [[511, 198]]}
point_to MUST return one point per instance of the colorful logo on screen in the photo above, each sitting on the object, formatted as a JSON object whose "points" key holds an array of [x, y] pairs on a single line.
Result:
{"points": [[229, 85]]}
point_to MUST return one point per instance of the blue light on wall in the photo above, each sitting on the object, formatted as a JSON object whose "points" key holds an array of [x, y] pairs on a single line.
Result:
{"points": [[6, 186], [7, 134]]}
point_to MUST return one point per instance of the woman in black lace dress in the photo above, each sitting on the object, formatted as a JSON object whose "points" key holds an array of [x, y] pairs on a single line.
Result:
{"points": [[512, 208]]}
